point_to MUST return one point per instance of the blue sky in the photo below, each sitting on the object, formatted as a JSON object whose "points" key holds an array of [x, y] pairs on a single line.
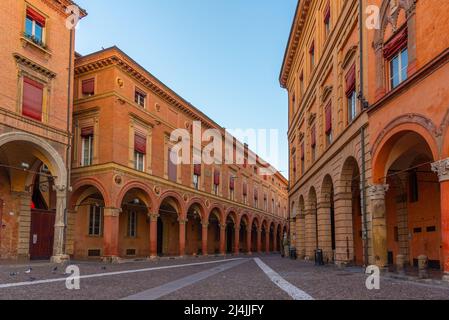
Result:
{"points": [[223, 56]]}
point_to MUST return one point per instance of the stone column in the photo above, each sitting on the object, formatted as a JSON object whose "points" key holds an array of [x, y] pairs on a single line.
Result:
{"points": [[310, 234], [111, 234], [59, 255], [267, 241], [237, 240], [259, 240], [153, 235], [325, 228], [248, 239], [223, 239], [204, 234], [182, 236], [300, 235], [376, 195], [23, 246], [442, 169], [275, 241], [344, 230]]}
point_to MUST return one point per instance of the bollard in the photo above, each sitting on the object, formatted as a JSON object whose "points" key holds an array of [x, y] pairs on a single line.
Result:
{"points": [[400, 262], [422, 267]]}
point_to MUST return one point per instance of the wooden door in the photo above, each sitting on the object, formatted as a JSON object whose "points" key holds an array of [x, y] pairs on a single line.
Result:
{"points": [[41, 234]]}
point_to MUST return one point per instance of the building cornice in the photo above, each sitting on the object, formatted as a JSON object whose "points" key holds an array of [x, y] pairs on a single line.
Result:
{"points": [[115, 57], [61, 5], [299, 20]]}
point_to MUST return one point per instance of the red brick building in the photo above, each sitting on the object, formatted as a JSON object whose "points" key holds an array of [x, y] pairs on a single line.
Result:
{"points": [[369, 130], [130, 200], [35, 119]]}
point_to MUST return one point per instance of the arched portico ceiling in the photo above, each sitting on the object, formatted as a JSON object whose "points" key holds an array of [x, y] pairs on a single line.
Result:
{"points": [[173, 200], [400, 150], [38, 148]]}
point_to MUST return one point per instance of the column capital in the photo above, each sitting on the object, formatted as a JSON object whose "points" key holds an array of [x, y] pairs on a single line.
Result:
{"points": [[441, 168], [153, 216], [182, 220], [378, 191], [59, 188], [205, 224], [112, 212], [222, 226]]}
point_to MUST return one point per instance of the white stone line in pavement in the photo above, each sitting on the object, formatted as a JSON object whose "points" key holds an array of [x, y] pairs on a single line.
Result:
{"points": [[108, 274], [166, 289], [291, 290]]}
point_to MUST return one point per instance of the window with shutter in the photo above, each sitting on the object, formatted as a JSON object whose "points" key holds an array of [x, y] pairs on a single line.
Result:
{"points": [[34, 26], [33, 93], [88, 87], [172, 168]]}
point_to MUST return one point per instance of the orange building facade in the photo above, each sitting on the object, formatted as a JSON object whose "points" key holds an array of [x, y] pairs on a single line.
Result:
{"points": [[377, 92], [35, 106], [129, 200], [100, 124]]}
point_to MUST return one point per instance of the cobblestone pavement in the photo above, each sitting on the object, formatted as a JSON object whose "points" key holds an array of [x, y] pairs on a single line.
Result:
{"points": [[210, 278]]}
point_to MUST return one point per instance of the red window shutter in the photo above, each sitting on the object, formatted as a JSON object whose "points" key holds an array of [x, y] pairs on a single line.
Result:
{"points": [[231, 183], [313, 136], [312, 48], [217, 177], [350, 81], [245, 189], [256, 194], [88, 86], [397, 43], [303, 153], [327, 13], [33, 93], [140, 144], [87, 132], [197, 170], [34, 15], [172, 170], [329, 118]]}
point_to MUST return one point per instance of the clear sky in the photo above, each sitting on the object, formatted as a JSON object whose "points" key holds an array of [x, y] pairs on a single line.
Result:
{"points": [[223, 56]]}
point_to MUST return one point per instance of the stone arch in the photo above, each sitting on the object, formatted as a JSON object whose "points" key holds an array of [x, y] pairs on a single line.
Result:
{"points": [[406, 152], [43, 151], [392, 134], [175, 200], [201, 205], [348, 219], [147, 194], [217, 210], [79, 190]]}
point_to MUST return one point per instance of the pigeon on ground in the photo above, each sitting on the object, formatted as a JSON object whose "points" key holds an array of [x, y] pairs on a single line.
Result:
{"points": [[55, 269], [31, 279], [103, 268], [12, 274], [29, 270]]}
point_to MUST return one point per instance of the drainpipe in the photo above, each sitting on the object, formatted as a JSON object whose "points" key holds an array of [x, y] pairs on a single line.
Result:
{"points": [[69, 140], [364, 103]]}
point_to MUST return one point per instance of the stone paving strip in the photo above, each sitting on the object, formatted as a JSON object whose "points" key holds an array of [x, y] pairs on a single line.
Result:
{"points": [[291, 290], [166, 289], [108, 274]]}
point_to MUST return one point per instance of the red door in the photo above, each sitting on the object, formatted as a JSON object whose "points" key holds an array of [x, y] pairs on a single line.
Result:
{"points": [[41, 235]]}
